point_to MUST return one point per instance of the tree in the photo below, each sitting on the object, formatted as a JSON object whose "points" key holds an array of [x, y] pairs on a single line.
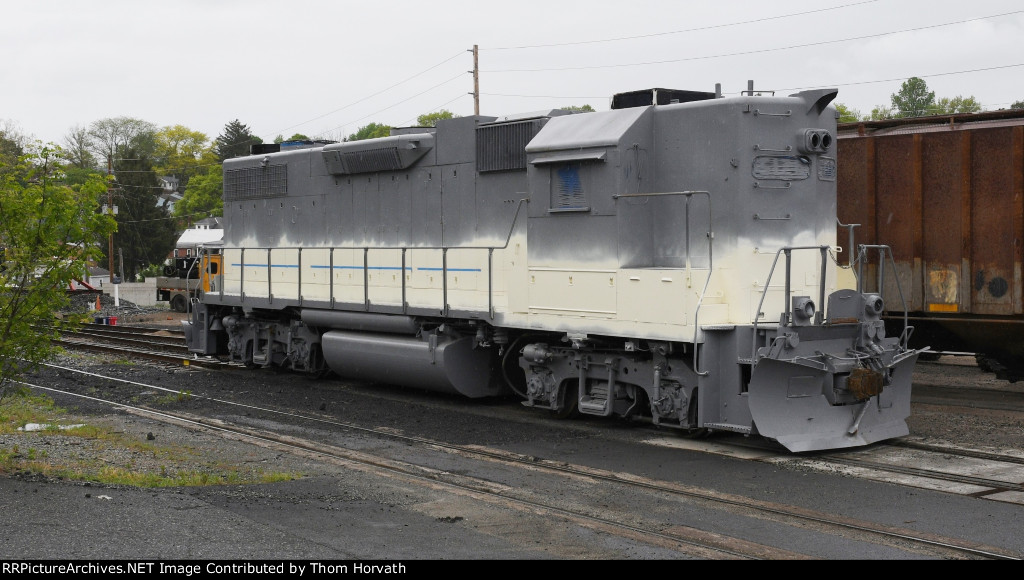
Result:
{"points": [[179, 152], [881, 112], [145, 232], [846, 114], [49, 230], [371, 131], [234, 141], [78, 148], [204, 197], [913, 99], [1017, 105], [431, 119], [958, 104], [109, 135], [12, 145], [578, 109]]}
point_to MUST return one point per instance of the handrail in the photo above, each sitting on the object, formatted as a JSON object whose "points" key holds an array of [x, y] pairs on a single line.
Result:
{"points": [[711, 236], [883, 250], [849, 250], [404, 249], [788, 250]]}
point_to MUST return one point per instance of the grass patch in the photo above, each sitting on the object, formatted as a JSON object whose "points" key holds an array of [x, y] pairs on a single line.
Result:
{"points": [[124, 476], [170, 399], [20, 407], [87, 451]]}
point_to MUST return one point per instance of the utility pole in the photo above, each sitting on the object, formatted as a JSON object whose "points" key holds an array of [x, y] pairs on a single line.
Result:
{"points": [[476, 80], [110, 209]]}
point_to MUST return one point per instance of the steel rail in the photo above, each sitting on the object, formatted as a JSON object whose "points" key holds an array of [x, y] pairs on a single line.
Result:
{"points": [[754, 505], [403, 468]]}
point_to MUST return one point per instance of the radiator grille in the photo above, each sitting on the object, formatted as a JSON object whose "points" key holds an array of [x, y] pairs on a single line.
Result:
{"points": [[372, 160], [503, 147], [256, 182]]}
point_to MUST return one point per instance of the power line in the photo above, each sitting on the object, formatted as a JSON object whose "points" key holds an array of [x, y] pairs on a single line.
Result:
{"points": [[374, 94], [762, 50], [905, 78], [546, 96], [697, 29], [173, 217], [394, 105], [441, 106], [815, 86]]}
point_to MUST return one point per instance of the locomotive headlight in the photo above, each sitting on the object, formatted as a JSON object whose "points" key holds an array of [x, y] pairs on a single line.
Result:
{"points": [[803, 310], [873, 305], [815, 141]]}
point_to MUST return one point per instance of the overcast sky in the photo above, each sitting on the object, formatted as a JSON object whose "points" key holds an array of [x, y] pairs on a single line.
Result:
{"points": [[324, 68]]}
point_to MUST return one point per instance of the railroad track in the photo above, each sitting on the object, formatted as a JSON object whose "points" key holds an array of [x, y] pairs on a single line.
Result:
{"points": [[629, 525], [132, 329], [149, 343]]}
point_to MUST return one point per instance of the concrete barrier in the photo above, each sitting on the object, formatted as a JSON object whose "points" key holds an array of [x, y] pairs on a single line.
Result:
{"points": [[138, 293]]}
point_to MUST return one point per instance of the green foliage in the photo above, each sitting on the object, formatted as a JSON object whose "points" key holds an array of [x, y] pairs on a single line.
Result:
{"points": [[1017, 105], [49, 229], [913, 99], [371, 131], [151, 271], [579, 108], [234, 141], [11, 147], [179, 152], [74, 175], [204, 196], [957, 104], [297, 137], [882, 112], [145, 234], [431, 119], [21, 407], [171, 398], [846, 114]]}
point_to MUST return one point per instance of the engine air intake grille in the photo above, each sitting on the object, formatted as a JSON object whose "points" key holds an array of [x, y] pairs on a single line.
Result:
{"points": [[503, 147], [372, 160], [256, 182]]}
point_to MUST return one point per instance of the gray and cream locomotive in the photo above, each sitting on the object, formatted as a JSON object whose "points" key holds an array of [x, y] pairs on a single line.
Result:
{"points": [[671, 258]]}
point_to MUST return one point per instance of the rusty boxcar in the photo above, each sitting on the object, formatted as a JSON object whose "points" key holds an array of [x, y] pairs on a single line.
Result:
{"points": [[947, 194]]}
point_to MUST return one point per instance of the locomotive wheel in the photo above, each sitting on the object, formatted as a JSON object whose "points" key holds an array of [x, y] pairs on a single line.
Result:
{"points": [[994, 364], [571, 408], [178, 304]]}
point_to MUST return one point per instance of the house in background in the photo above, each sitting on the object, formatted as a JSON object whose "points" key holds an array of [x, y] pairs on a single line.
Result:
{"points": [[169, 195]]}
